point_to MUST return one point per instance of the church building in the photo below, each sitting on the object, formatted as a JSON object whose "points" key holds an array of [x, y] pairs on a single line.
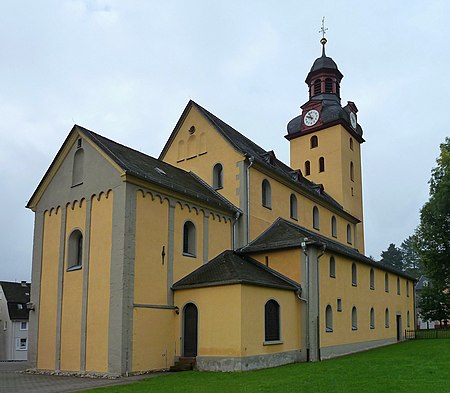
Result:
{"points": [[216, 250]]}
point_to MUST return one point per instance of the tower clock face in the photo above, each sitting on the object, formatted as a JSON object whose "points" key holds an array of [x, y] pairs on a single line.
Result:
{"points": [[311, 118], [353, 119]]}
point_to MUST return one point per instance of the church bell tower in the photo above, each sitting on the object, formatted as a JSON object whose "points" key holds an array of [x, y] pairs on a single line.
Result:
{"points": [[325, 139]]}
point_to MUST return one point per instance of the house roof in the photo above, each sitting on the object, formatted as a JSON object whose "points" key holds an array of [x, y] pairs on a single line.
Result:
{"points": [[17, 296], [285, 234], [147, 168], [231, 268], [423, 281], [265, 159]]}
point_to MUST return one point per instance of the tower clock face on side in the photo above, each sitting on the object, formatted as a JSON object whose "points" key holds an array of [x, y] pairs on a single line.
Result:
{"points": [[353, 119], [311, 118]]}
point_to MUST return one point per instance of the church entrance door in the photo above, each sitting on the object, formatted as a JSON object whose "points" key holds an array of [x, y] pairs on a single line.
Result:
{"points": [[190, 330]]}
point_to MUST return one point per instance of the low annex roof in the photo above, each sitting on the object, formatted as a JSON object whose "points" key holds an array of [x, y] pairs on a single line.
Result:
{"points": [[231, 268], [17, 296], [285, 234], [264, 158]]}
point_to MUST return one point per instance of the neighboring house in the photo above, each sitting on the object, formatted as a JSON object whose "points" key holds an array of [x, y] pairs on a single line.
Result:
{"points": [[216, 250], [14, 320]]}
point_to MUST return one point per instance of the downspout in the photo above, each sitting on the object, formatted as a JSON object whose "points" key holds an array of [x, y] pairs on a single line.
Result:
{"points": [[324, 246], [251, 160], [236, 219], [304, 244]]}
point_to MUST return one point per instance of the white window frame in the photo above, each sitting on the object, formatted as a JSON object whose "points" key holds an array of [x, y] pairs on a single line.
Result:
{"points": [[19, 346], [26, 326]]}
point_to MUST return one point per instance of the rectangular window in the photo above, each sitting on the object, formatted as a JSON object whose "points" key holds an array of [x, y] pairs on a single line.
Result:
{"points": [[23, 325], [339, 304], [21, 344], [5, 325], [19, 307]]}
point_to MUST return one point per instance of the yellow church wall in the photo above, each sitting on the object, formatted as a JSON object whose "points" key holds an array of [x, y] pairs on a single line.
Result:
{"points": [[151, 237], [153, 343], [49, 291], [286, 262], [363, 298], [219, 236], [209, 149], [184, 264], [254, 299], [72, 295], [98, 284], [219, 319]]}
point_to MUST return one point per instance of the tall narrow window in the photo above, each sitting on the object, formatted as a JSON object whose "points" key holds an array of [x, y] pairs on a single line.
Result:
{"points": [[316, 218], [332, 267], [266, 194], [354, 275], [314, 141], [78, 167], [398, 285], [352, 171], [321, 164], [386, 318], [189, 240], [307, 168], [372, 318], [386, 282], [317, 86], [407, 288], [328, 85], [338, 89], [354, 318], [351, 143], [75, 250], [218, 177], [272, 321], [293, 207], [333, 226], [372, 279], [408, 319], [191, 146], [181, 150], [328, 319], [349, 234]]}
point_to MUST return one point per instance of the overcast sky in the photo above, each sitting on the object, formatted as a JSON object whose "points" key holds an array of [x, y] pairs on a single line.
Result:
{"points": [[126, 69]]}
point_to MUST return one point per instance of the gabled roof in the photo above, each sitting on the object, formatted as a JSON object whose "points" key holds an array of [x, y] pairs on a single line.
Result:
{"points": [[17, 296], [231, 268], [263, 158], [284, 234], [147, 168]]}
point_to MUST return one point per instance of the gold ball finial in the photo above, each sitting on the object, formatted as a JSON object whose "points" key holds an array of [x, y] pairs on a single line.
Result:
{"points": [[323, 41]]}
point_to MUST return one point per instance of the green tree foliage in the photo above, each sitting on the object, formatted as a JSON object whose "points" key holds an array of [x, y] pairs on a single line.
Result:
{"points": [[393, 257], [434, 304], [411, 260], [432, 238]]}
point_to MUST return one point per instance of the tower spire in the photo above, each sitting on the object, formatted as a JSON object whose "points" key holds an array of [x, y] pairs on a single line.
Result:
{"points": [[323, 30]]}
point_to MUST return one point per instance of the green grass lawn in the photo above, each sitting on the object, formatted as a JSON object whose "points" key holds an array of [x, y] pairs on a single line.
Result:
{"points": [[413, 366]]}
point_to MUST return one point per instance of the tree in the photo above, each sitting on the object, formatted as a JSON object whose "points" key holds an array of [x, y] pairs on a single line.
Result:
{"points": [[434, 305], [392, 257], [411, 260], [432, 237]]}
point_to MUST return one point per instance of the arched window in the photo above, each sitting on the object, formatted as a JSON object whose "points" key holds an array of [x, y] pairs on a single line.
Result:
{"points": [[272, 321], [351, 143], [398, 285], [317, 86], [349, 234], [181, 150], [386, 282], [328, 319], [266, 194], [217, 177], [372, 279], [314, 141], [338, 89], [307, 168], [78, 167], [333, 226], [354, 318], [321, 164], [332, 267], [372, 318], [408, 319], [352, 171], [316, 218], [386, 318], [407, 288], [293, 207], [328, 85], [192, 146], [354, 275], [202, 143], [189, 240], [75, 250]]}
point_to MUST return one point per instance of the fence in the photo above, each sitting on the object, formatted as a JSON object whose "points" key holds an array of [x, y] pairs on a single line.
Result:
{"points": [[427, 333]]}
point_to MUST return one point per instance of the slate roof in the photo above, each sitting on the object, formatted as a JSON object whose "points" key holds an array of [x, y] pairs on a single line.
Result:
{"points": [[231, 268], [264, 158], [284, 234], [16, 294]]}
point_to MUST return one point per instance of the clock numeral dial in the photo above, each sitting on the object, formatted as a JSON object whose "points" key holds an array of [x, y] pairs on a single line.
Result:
{"points": [[311, 118]]}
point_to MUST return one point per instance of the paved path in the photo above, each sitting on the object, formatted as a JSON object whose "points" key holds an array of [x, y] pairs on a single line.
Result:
{"points": [[13, 381]]}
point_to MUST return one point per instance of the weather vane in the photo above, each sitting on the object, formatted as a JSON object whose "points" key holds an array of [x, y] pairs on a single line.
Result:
{"points": [[323, 40]]}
